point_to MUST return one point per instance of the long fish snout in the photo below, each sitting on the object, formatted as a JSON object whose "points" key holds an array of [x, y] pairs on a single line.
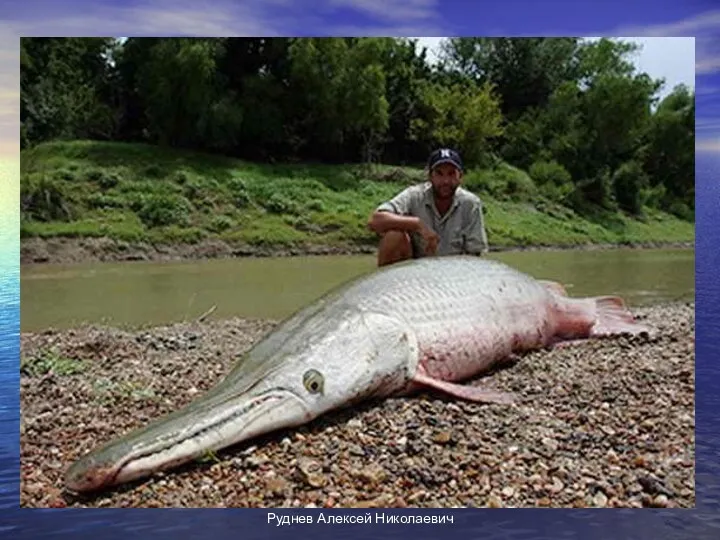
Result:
{"points": [[207, 425], [87, 474]]}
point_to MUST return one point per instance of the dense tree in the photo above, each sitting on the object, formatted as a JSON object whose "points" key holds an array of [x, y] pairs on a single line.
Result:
{"points": [[573, 113]]}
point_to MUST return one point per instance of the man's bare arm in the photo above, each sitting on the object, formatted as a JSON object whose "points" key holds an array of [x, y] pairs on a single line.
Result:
{"points": [[381, 221]]}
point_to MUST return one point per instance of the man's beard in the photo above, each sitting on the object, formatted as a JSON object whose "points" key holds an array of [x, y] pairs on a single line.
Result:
{"points": [[444, 193]]}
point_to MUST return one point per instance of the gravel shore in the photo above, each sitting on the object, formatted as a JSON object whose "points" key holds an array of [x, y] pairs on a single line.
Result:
{"points": [[605, 423]]}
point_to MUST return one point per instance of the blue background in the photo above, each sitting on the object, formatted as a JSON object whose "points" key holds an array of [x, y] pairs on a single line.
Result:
{"points": [[509, 17]]}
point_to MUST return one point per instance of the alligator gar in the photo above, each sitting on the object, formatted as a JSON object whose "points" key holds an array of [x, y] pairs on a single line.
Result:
{"points": [[427, 323]]}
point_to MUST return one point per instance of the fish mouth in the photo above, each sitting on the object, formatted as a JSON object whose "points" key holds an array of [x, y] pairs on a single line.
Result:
{"points": [[204, 426]]}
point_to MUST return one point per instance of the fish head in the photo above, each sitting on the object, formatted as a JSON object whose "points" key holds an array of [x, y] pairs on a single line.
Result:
{"points": [[340, 361], [294, 375]]}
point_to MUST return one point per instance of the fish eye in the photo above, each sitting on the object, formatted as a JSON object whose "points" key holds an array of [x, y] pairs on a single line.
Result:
{"points": [[313, 381]]}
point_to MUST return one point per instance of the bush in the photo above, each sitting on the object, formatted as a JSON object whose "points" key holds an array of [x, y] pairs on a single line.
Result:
{"points": [[221, 223], [153, 171], [65, 174], [163, 210], [45, 199], [239, 193], [554, 181], [596, 191], [101, 200], [629, 182], [549, 172], [103, 179], [277, 204], [513, 183]]}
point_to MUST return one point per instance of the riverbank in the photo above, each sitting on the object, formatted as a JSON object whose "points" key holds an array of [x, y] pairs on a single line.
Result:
{"points": [[87, 201], [88, 250], [606, 423]]}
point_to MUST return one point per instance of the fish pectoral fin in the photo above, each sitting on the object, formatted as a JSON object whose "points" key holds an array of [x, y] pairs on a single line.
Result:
{"points": [[466, 392]]}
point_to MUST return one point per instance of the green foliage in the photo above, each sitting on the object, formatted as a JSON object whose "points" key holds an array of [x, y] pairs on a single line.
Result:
{"points": [[460, 116], [50, 362], [176, 83], [575, 114], [44, 198], [198, 196], [158, 210], [549, 172], [629, 183], [553, 180]]}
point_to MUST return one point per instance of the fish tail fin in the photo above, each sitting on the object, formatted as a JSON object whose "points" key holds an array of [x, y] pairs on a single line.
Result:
{"points": [[613, 317], [582, 318]]}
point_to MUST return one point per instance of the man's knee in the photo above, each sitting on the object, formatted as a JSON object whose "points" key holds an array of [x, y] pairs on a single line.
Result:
{"points": [[394, 247]]}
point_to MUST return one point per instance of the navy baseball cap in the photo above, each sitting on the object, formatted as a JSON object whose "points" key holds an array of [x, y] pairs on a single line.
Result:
{"points": [[444, 155]]}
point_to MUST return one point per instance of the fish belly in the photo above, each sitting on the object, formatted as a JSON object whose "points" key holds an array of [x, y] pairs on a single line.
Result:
{"points": [[468, 313]]}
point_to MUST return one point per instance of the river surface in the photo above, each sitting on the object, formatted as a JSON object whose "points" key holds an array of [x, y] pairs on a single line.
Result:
{"points": [[141, 293]]}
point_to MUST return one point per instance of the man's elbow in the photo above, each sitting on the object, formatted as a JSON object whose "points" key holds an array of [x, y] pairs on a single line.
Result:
{"points": [[372, 222]]}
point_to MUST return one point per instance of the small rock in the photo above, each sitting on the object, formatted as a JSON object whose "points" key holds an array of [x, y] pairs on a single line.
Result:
{"points": [[316, 480], [310, 472], [442, 437], [494, 502], [535, 480], [653, 486], [508, 491], [276, 485], [372, 474], [557, 486], [600, 500], [255, 461], [550, 444], [356, 450]]}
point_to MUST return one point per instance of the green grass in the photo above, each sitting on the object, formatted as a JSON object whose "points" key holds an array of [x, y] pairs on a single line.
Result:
{"points": [[135, 192], [106, 390], [49, 361]]}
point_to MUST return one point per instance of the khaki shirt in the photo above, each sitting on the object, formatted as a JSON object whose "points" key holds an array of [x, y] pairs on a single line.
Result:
{"points": [[461, 229]]}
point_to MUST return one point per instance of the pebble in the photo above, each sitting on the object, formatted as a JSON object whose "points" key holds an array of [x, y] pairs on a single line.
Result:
{"points": [[594, 426], [494, 502]]}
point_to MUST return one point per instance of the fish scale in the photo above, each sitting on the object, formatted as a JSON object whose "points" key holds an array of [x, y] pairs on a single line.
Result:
{"points": [[483, 306]]}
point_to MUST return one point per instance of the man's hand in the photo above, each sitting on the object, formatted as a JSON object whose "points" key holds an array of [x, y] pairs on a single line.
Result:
{"points": [[382, 221], [430, 239]]}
